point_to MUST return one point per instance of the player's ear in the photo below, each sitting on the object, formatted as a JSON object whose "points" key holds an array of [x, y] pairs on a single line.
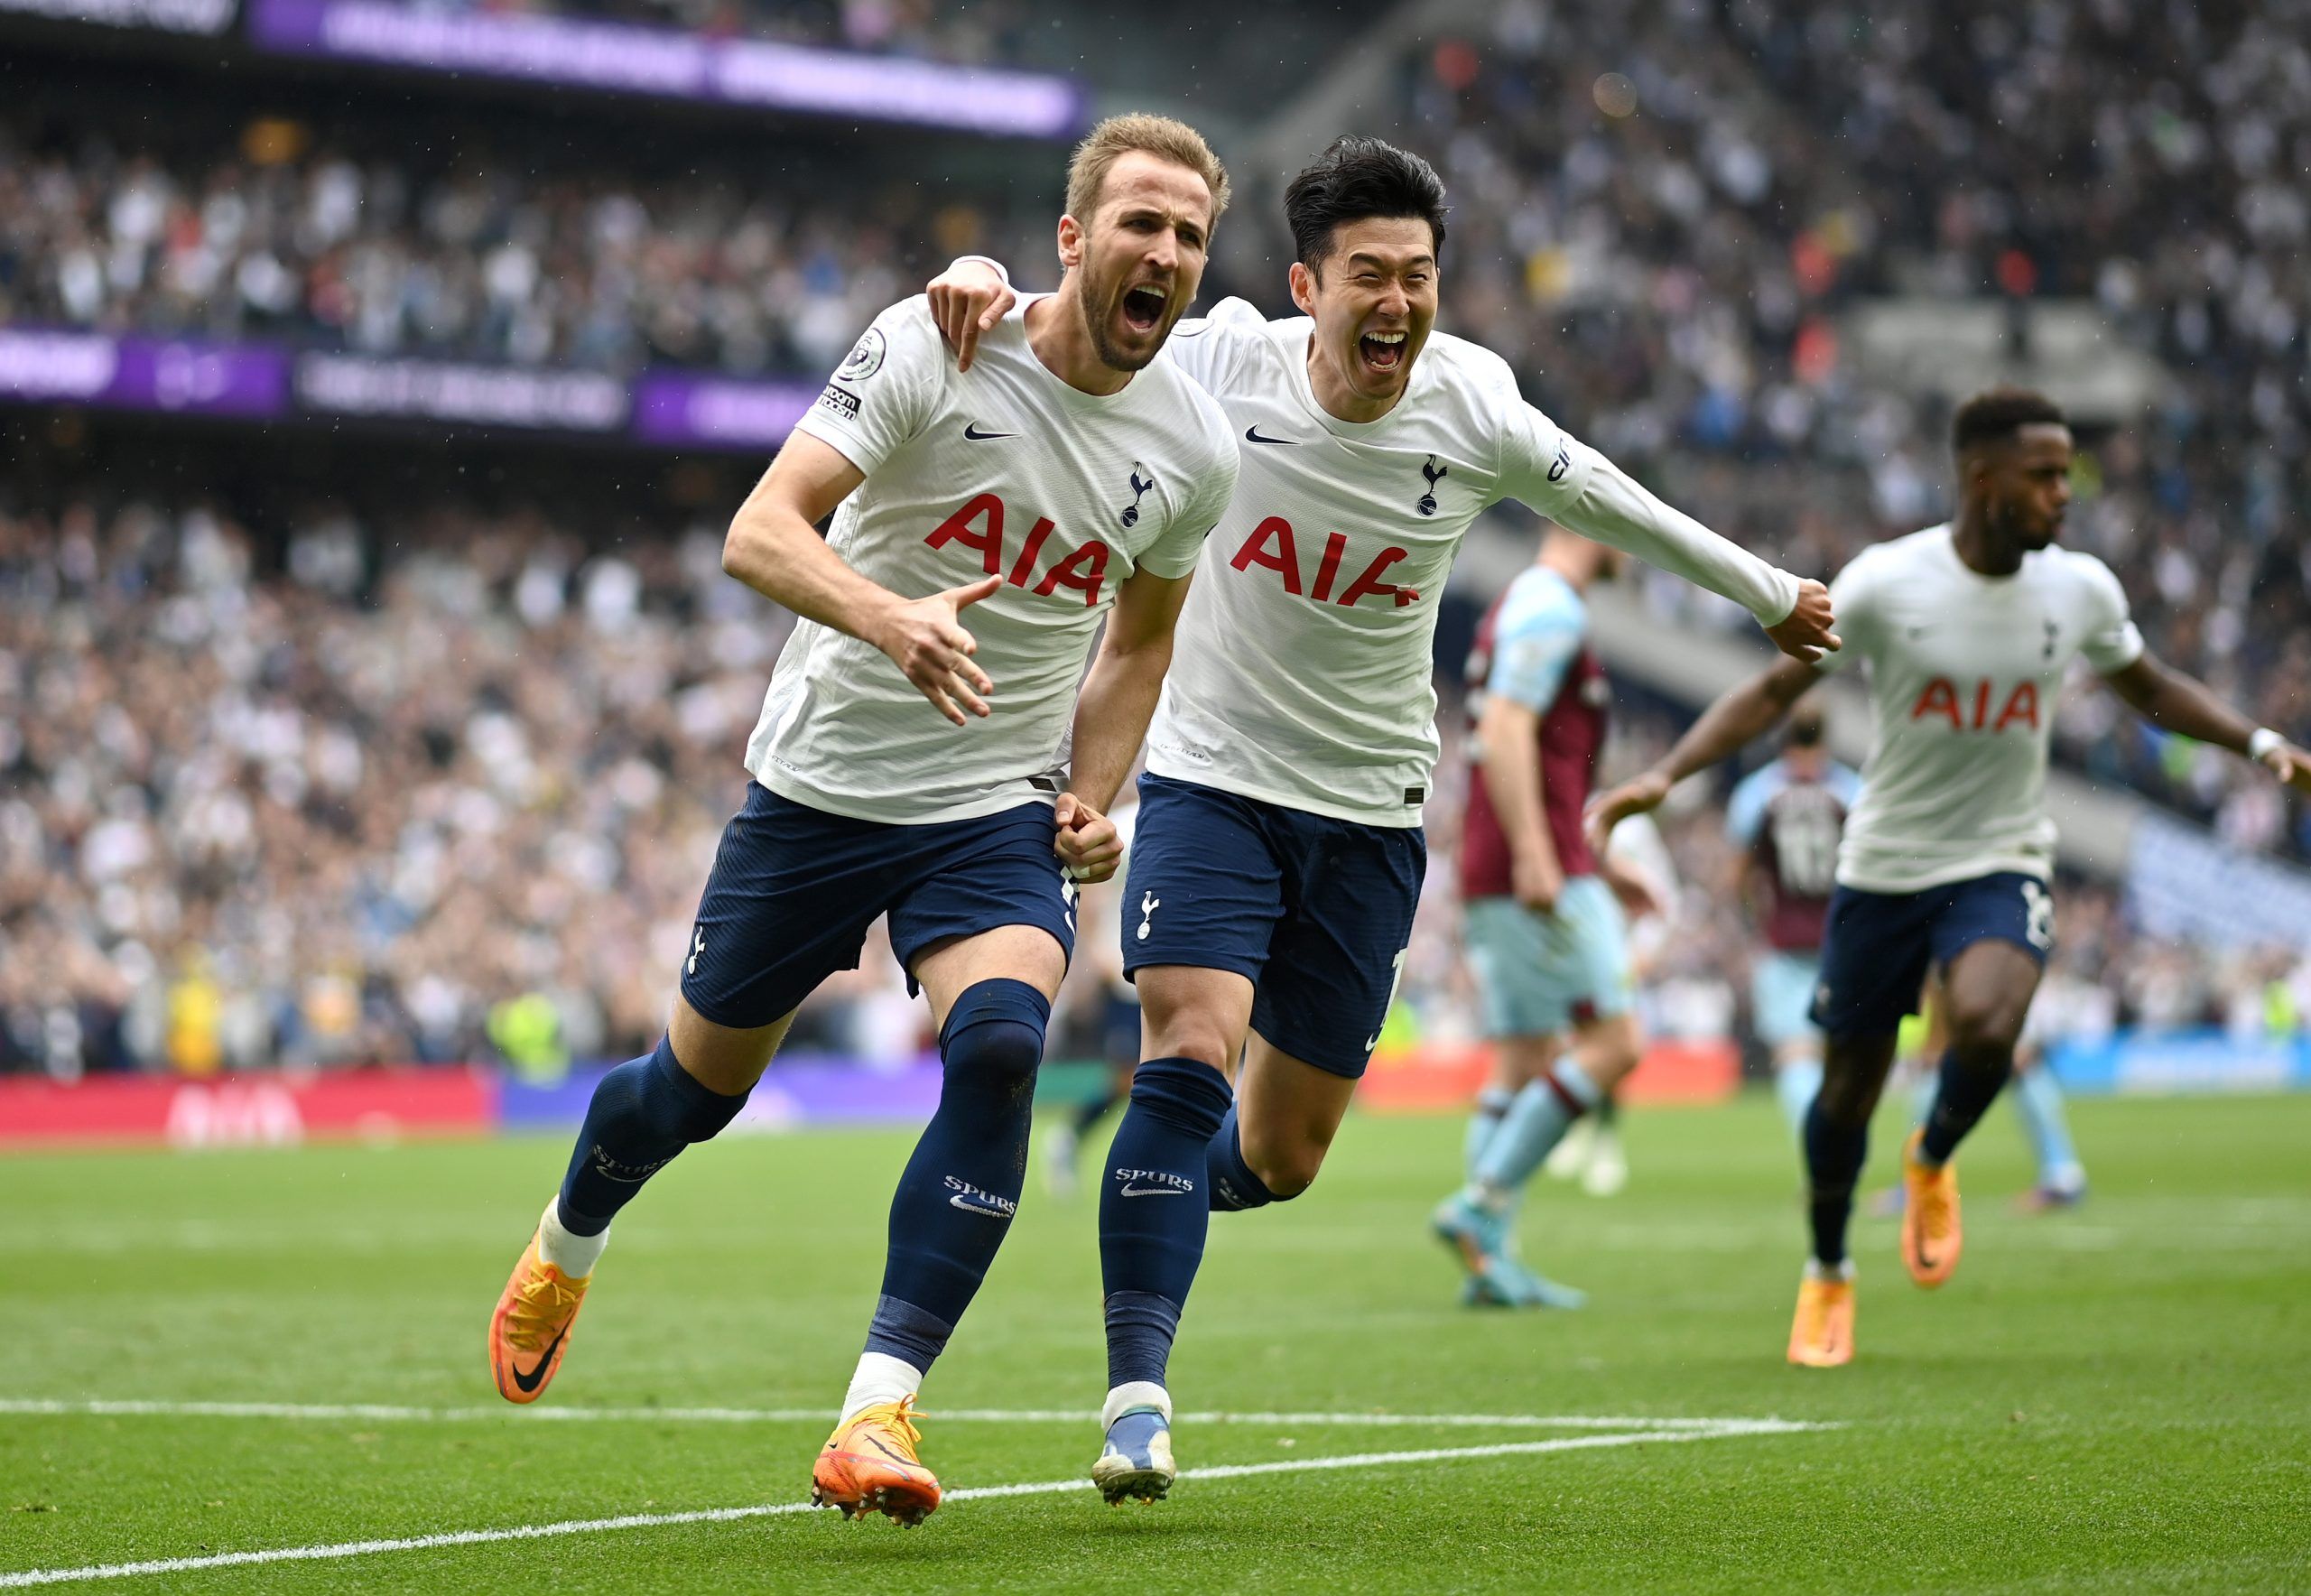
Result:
{"points": [[1071, 243], [1304, 288]]}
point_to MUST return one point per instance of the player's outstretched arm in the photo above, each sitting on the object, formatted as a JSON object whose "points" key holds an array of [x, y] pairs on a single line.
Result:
{"points": [[968, 299], [2184, 705], [1111, 715], [774, 548], [1739, 716], [1615, 508]]}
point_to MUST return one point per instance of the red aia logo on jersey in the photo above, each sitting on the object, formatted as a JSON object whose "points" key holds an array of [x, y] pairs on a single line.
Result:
{"points": [[1083, 570], [1272, 545], [1940, 699]]}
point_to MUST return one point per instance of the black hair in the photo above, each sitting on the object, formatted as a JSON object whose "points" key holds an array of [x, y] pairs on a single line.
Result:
{"points": [[1997, 413], [1356, 178]]}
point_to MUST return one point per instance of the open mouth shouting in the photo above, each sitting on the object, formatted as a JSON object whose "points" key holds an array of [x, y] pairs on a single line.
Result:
{"points": [[1383, 352], [1143, 306]]}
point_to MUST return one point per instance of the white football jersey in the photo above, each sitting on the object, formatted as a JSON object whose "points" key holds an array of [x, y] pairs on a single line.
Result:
{"points": [[1963, 673], [1302, 671], [1002, 470]]}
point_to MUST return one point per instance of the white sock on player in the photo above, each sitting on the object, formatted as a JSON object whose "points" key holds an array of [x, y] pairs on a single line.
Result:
{"points": [[574, 1254], [880, 1378], [1134, 1394]]}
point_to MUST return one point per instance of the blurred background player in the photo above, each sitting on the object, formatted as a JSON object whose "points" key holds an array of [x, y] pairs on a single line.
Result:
{"points": [[1968, 630], [1064, 485], [1643, 874], [1545, 930], [1787, 816]]}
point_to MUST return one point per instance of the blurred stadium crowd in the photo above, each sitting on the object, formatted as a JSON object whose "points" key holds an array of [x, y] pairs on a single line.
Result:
{"points": [[447, 784], [302, 805]]}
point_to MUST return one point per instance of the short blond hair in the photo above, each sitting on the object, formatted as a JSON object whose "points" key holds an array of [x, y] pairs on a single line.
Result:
{"points": [[1161, 136]]}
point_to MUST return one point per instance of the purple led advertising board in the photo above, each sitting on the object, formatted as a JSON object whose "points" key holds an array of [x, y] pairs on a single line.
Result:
{"points": [[674, 64], [186, 374], [673, 407]]}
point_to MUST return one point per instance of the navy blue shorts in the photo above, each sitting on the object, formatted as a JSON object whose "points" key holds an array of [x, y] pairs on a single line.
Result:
{"points": [[1879, 945], [1314, 912], [794, 888]]}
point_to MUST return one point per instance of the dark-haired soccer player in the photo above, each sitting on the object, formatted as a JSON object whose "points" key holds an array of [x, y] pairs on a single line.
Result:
{"points": [[1967, 629], [1067, 480], [1279, 852]]}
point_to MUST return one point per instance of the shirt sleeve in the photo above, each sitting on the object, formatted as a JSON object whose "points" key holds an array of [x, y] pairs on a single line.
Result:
{"points": [[1745, 811], [887, 389], [2112, 641], [1174, 554], [1850, 595], [1209, 347], [1532, 649], [1612, 507]]}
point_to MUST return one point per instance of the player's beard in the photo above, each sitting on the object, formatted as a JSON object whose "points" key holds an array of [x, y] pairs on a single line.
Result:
{"points": [[1101, 301]]}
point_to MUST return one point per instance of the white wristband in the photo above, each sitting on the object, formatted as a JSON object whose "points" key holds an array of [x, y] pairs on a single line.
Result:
{"points": [[2261, 741]]}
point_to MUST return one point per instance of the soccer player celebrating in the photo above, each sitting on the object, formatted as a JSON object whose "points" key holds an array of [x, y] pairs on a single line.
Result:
{"points": [[1967, 629], [1279, 855], [1788, 814], [1068, 479], [1543, 923]]}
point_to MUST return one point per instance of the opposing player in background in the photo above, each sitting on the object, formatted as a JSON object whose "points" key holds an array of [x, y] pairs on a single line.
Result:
{"points": [[1967, 629], [1543, 923], [1787, 817], [1067, 480], [1279, 855]]}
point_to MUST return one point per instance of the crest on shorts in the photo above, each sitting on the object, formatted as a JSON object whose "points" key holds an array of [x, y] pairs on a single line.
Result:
{"points": [[1139, 488]]}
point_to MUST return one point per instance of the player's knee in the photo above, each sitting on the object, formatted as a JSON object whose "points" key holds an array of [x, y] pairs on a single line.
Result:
{"points": [[1987, 1031], [1191, 1036], [993, 1039], [666, 1102], [1287, 1165]]}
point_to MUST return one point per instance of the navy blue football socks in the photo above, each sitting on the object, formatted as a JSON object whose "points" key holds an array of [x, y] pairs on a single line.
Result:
{"points": [[1154, 1210], [1968, 1084], [642, 1113], [1234, 1186], [1835, 1151], [955, 1201]]}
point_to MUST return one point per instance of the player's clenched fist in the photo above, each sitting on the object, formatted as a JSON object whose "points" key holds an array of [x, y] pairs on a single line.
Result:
{"points": [[1088, 843], [2290, 763], [967, 299], [1804, 632], [926, 640]]}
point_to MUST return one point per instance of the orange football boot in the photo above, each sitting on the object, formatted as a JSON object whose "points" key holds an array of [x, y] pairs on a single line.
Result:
{"points": [[1931, 1237], [869, 1465], [1822, 1335], [530, 1332]]}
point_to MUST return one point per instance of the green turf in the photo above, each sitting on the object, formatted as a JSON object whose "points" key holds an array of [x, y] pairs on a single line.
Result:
{"points": [[2114, 1398]]}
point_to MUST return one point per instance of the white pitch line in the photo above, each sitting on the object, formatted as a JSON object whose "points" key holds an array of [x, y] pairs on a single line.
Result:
{"points": [[379, 1413], [532, 1532]]}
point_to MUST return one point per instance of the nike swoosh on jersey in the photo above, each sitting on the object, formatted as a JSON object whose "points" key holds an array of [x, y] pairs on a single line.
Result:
{"points": [[529, 1382], [1153, 1192], [1253, 434], [971, 432]]}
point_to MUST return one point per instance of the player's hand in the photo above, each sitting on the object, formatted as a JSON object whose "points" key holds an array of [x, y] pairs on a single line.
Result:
{"points": [[967, 299], [1638, 899], [2291, 765], [1805, 633], [1088, 843], [1537, 884], [926, 640], [1640, 795]]}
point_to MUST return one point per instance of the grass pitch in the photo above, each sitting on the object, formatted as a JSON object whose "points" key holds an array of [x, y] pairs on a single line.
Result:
{"points": [[2114, 1398]]}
